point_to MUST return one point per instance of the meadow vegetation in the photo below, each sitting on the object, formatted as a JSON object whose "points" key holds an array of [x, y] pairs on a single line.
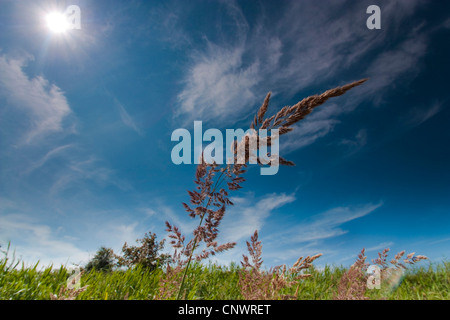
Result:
{"points": [[207, 281]]}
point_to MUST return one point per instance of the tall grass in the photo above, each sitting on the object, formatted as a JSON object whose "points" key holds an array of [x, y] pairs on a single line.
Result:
{"points": [[18, 282]]}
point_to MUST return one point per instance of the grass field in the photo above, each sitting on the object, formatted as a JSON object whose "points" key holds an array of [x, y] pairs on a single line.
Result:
{"points": [[207, 282]]}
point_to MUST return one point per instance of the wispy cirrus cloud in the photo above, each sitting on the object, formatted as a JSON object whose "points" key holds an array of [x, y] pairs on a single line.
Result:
{"points": [[379, 247], [328, 224], [356, 143], [126, 118], [391, 65], [53, 153], [419, 115], [79, 174], [360, 139], [384, 72]]}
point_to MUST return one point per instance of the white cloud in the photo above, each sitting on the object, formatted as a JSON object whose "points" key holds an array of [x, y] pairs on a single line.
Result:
{"points": [[34, 242], [117, 230], [42, 104], [249, 215], [217, 85]]}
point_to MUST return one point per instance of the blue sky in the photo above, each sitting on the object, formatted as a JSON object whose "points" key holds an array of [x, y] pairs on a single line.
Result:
{"points": [[86, 119]]}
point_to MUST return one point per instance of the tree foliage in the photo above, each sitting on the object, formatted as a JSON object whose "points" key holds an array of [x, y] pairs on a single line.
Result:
{"points": [[104, 260], [146, 254]]}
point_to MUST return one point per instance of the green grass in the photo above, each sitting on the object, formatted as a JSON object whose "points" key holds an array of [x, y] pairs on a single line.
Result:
{"points": [[208, 282], [425, 283], [29, 283]]}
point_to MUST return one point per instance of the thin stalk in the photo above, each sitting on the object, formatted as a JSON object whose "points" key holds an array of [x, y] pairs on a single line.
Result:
{"points": [[196, 237]]}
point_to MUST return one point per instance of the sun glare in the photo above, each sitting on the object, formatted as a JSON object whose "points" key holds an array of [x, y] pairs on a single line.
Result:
{"points": [[57, 22]]}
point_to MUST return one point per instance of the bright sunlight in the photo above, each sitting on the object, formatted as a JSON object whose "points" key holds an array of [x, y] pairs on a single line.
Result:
{"points": [[57, 22]]}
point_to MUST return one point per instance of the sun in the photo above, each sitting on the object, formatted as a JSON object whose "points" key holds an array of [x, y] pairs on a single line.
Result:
{"points": [[57, 22]]}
